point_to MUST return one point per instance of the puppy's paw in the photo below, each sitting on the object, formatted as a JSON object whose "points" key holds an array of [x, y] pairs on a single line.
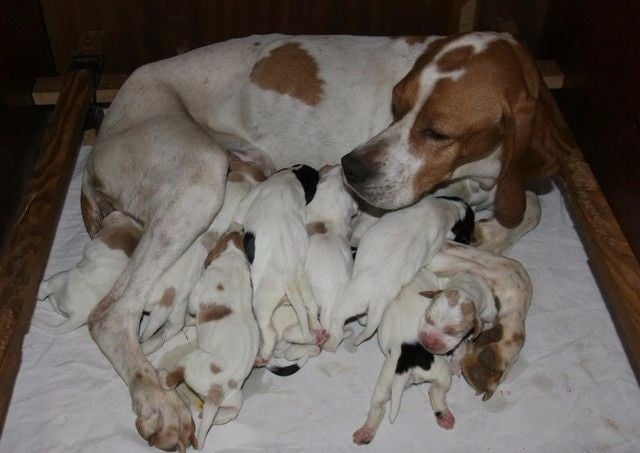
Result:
{"points": [[364, 435], [260, 362], [163, 419], [320, 337], [445, 419]]}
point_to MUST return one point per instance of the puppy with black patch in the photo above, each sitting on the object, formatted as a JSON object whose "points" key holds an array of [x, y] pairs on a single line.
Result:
{"points": [[390, 253], [407, 362], [276, 242], [227, 336], [75, 293], [168, 304], [329, 220]]}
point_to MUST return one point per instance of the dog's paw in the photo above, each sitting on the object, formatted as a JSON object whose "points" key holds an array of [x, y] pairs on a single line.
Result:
{"points": [[364, 435], [445, 419], [163, 419], [260, 362], [320, 337]]}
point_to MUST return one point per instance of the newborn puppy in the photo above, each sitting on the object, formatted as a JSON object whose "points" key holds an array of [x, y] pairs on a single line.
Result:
{"points": [[390, 253], [75, 292], [276, 243], [329, 224], [465, 305], [407, 362], [168, 304], [227, 336]]}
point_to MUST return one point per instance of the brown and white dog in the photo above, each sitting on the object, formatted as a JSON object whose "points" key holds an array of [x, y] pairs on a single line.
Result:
{"points": [[440, 110]]}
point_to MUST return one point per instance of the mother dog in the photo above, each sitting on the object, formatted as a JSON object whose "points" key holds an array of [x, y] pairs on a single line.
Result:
{"points": [[462, 109]]}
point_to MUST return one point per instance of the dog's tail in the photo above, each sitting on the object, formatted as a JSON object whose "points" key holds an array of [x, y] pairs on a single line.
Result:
{"points": [[209, 411], [296, 299], [294, 354], [284, 370], [67, 326], [397, 389]]}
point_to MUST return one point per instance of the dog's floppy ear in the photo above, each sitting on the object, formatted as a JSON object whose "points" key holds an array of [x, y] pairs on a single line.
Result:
{"points": [[532, 137]]}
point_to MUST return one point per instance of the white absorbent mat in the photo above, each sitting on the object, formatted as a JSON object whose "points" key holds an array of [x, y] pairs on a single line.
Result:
{"points": [[572, 390]]}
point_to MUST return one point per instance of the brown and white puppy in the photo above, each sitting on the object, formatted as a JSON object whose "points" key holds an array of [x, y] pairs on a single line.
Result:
{"points": [[465, 305], [467, 106], [227, 336], [74, 293], [490, 356], [407, 362]]}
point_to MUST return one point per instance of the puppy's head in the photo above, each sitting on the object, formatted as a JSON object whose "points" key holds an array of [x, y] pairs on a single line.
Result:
{"points": [[448, 320], [469, 107]]}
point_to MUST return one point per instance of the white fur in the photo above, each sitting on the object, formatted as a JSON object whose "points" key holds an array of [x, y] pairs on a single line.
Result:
{"points": [[400, 326], [389, 255], [273, 213], [226, 347], [329, 261]]}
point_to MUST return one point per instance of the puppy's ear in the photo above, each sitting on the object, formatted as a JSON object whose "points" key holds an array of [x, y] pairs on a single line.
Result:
{"points": [[430, 294], [170, 379]]}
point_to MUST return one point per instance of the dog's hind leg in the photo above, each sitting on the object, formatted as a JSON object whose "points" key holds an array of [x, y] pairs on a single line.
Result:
{"points": [[187, 191]]}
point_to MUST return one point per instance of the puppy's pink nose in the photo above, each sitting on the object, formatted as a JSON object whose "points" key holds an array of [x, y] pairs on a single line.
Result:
{"points": [[432, 343]]}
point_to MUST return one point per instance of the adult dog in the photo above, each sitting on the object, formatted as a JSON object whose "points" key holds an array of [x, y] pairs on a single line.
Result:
{"points": [[462, 109]]}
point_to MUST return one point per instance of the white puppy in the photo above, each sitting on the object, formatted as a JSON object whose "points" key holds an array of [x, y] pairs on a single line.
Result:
{"points": [[407, 361], [74, 293], [227, 336], [390, 254], [276, 243], [329, 225], [168, 304]]}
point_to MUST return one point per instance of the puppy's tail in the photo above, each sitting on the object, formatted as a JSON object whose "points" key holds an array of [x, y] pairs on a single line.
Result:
{"points": [[209, 411], [397, 389], [300, 360], [284, 370], [67, 326]]}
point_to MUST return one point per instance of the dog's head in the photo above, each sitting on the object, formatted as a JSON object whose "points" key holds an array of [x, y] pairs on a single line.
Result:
{"points": [[470, 106], [448, 320]]}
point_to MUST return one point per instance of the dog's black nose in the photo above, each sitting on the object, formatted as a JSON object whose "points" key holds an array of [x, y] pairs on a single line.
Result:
{"points": [[354, 169]]}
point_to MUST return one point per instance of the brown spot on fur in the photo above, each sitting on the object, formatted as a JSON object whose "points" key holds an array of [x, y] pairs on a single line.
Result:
{"points": [[234, 237], [489, 336], [232, 384], [453, 297], [245, 168], [174, 377], [517, 337], [123, 237], [214, 395], [490, 359], [316, 228], [430, 294], [455, 58], [168, 297], [212, 312], [289, 69], [220, 287], [215, 369]]}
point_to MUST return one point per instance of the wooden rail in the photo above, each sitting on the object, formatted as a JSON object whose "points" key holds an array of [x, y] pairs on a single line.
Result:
{"points": [[27, 249]]}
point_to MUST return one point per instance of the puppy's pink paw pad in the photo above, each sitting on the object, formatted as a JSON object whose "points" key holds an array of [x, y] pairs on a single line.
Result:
{"points": [[259, 362], [363, 435], [320, 337], [445, 419]]}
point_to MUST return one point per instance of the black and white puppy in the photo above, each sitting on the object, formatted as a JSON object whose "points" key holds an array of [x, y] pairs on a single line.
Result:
{"points": [[276, 243]]}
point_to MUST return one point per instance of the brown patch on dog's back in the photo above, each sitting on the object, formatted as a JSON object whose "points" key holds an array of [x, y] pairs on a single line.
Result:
{"points": [[235, 237], [213, 312], [430, 294], [168, 296], [489, 336], [316, 228], [174, 377], [232, 384], [215, 369], [289, 69]]}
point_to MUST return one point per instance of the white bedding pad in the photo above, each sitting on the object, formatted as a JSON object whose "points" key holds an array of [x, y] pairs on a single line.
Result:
{"points": [[572, 390]]}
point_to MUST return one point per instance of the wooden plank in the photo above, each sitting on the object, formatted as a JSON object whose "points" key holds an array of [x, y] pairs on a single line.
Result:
{"points": [[27, 250], [615, 266], [47, 89]]}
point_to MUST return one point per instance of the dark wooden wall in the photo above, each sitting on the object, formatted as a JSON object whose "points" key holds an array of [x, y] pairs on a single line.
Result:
{"points": [[597, 46], [139, 31]]}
